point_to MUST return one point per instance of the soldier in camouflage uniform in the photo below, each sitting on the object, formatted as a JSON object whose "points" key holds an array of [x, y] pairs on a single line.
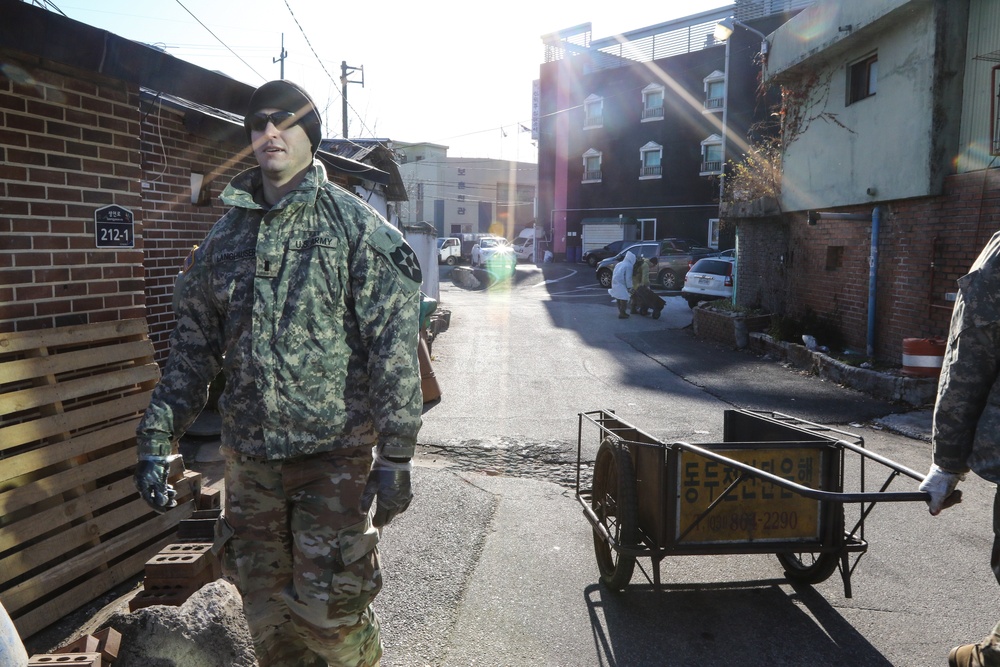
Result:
{"points": [[308, 301], [966, 431]]}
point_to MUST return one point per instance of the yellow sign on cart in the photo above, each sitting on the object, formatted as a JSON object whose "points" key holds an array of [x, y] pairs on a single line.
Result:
{"points": [[754, 510]]}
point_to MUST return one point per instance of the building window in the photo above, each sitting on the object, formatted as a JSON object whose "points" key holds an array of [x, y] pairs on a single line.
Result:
{"points": [[711, 155], [715, 91], [593, 112], [862, 79], [650, 157], [649, 229], [995, 114], [652, 102], [592, 166], [834, 257], [713, 233]]}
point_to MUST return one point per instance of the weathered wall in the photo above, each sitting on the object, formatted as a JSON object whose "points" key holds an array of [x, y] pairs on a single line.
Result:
{"points": [[72, 142], [789, 267], [69, 144]]}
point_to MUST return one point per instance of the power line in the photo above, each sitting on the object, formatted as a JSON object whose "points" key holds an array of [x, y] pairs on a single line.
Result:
{"points": [[325, 70], [250, 67]]}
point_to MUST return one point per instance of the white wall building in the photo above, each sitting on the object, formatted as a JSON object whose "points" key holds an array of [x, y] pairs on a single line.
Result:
{"points": [[465, 195]]}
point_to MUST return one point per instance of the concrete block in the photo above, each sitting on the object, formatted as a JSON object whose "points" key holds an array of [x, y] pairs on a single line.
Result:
{"points": [[67, 659], [109, 643], [169, 595], [163, 573], [210, 498], [84, 644]]}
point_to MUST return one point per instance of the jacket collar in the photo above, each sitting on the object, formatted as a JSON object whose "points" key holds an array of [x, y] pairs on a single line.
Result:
{"points": [[240, 191]]}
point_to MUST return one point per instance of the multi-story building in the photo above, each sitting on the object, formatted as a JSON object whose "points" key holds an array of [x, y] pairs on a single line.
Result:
{"points": [[465, 195], [639, 127], [888, 188]]}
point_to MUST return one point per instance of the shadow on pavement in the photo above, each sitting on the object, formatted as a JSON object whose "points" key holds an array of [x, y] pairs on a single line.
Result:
{"points": [[735, 624]]}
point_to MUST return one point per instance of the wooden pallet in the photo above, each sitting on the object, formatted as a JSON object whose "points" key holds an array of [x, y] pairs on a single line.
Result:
{"points": [[72, 525]]}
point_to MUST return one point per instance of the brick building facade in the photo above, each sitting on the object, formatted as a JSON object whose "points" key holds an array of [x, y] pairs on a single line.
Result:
{"points": [[73, 142], [790, 267], [87, 120]]}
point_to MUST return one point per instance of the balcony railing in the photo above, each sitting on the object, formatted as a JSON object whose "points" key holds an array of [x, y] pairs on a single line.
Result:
{"points": [[592, 175], [593, 121], [711, 167], [715, 102], [651, 171], [652, 112]]}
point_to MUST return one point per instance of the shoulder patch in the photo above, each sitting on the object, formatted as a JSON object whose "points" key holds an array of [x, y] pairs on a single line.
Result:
{"points": [[389, 242], [190, 259]]}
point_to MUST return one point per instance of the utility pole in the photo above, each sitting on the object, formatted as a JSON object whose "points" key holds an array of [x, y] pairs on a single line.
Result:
{"points": [[345, 70], [281, 58]]}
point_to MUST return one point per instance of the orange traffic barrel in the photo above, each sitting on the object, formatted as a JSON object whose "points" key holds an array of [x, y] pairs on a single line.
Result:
{"points": [[922, 357]]}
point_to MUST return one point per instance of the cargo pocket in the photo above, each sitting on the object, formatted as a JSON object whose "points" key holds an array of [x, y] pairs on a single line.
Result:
{"points": [[337, 580], [222, 549], [359, 575]]}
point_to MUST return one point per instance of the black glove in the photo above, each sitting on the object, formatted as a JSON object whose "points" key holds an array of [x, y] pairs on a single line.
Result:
{"points": [[151, 480], [390, 481]]}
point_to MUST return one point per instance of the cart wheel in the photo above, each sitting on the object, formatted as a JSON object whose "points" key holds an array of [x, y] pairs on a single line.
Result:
{"points": [[614, 502], [809, 567]]}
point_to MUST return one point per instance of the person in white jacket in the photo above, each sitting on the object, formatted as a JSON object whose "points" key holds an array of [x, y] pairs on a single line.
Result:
{"points": [[621, 284]]}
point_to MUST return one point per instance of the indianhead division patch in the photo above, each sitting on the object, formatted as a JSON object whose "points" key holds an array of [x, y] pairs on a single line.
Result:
{"points": [[406, 261], [391, 244]]}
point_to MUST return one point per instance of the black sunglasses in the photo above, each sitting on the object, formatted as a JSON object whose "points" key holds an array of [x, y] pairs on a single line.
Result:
{"points": [[259, 120]]}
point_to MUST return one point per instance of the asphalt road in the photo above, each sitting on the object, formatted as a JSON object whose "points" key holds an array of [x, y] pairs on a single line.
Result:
{"points": [[493, 564]]}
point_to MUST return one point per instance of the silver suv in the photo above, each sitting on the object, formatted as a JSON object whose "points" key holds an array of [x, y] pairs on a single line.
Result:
{"points": [[673, 259]]}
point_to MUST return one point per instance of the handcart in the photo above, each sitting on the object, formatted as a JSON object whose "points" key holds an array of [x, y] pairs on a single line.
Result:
{"points": [[775, 485]]}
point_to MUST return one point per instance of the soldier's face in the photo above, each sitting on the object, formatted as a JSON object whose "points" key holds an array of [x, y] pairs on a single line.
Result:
{"points": [[282, 150]]}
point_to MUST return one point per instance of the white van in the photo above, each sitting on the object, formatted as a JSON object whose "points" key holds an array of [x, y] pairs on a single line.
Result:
{"points": [[524, 245]]}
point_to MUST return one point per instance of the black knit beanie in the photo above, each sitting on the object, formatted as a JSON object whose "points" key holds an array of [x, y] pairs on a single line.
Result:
{"points": [[287, 96]]}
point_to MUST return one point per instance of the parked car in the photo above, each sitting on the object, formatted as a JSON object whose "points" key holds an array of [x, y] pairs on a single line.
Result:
{"points": [[494, 252], [592, 257], [674, 258], [710, 278]]}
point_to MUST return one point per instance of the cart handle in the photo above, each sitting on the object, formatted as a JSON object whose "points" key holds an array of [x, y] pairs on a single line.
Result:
{"points": [[816, 494]]}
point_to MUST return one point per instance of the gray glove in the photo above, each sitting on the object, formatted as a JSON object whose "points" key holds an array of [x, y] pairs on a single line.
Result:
{"points": [[151, 480], [941, 483], [389, 480]]}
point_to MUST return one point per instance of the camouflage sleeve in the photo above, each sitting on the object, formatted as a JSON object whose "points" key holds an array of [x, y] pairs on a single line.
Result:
{"points": [[386, 283], [194, 360], [968, 374]]}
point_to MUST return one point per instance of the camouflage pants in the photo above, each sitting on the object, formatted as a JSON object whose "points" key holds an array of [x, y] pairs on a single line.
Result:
{"points": [[995, 556], [303, 556]]}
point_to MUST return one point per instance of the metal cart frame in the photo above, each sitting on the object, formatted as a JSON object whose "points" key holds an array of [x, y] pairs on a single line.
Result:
{"points": [[775, 484]]}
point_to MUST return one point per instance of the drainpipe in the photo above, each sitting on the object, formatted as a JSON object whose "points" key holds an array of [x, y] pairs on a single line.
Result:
{"points": [[872, 280], [876, 219]]}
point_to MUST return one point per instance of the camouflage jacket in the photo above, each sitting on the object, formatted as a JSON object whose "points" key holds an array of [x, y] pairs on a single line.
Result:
{"points": [[966, 431], [311, 309]]}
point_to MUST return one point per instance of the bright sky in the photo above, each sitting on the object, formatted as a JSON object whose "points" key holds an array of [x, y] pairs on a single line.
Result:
{"points": [[441, 71]]}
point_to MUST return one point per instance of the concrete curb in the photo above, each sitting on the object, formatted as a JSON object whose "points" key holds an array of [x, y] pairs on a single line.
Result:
{"points": [[918, 392]]}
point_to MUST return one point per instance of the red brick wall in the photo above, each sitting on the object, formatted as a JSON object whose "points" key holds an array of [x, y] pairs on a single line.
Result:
{"points": [[172, 224], [925, 245], [70, 143], [68, 146]]}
